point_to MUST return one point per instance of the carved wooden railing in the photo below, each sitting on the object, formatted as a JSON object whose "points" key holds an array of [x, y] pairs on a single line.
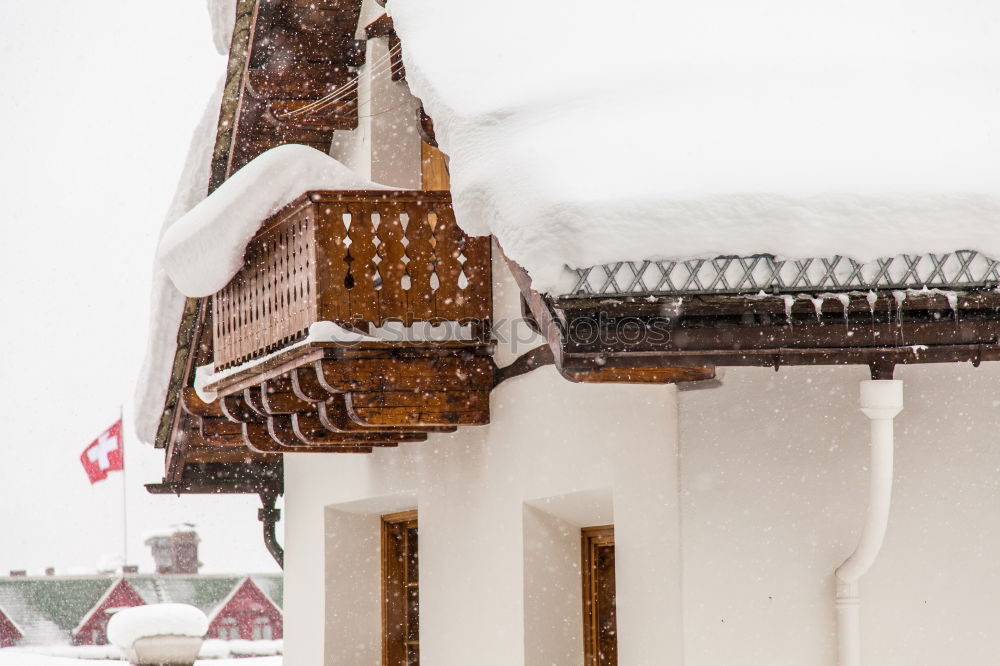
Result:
{"points": [[356, 258]]}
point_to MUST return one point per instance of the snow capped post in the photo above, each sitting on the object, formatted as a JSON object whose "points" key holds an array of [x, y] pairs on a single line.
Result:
{"points": [[881, 400], [159, 633]]}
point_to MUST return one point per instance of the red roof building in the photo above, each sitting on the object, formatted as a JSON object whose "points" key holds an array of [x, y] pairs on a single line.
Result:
{"points": [[248, 614], [92, 629], [10, 634]]}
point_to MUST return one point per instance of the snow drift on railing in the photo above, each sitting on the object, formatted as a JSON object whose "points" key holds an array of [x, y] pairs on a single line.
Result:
{"points": [[204, 249]]}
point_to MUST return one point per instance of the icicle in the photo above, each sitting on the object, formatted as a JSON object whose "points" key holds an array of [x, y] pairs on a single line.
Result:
{"points": [[950, 296], [871, 297], [952, 302], [789, 302], [843, 299], [900, 298], [818, 307]]}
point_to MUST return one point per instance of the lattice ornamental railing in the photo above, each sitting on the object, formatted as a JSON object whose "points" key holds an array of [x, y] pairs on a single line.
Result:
{"points": [[356, 258], [964, 269]]}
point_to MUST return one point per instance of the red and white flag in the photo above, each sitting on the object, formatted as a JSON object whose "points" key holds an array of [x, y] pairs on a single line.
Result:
{"points": [[104, 454]]}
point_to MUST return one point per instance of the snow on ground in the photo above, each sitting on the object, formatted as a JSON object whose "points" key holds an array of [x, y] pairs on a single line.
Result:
{"points": [[720, 127], [213, 651], [13, 657]]}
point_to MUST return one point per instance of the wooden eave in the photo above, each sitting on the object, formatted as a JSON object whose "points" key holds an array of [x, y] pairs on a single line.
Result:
{"points": [[283, 54], [658, 338]]}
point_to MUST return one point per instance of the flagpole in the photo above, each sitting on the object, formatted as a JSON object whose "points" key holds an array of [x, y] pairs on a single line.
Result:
{"points": [[121, 426]]}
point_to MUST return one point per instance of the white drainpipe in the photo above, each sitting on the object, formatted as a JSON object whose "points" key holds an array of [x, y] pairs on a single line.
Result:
{"points": [[881, 400]]}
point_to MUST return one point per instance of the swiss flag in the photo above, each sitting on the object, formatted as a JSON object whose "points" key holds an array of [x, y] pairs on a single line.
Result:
{"points": [[104, 454]]}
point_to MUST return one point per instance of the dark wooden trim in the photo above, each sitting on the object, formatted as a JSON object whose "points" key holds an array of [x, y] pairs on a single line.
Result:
{"points": [[397, 587], [380, 27], [592, 539], [200, 488], [549, 325], [630, 335], [525, 363]]}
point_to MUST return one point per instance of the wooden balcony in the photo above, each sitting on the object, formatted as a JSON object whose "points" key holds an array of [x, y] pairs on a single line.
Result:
{"points": [[362, 260]]}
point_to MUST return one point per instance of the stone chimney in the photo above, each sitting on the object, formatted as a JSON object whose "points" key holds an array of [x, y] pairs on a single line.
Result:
{"points": [[175, 551]]}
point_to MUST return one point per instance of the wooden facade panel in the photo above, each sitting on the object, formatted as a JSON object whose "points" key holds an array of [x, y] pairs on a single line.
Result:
{"points": [[335, 417], [389, 374], [450, 253], [420, 267], [602, 374], [283, 43], [277, 397], [195, 406], [405, 409], [301, 115], [334, 303], [392, 263], [297, 81], [362, 270], [259, 439]]}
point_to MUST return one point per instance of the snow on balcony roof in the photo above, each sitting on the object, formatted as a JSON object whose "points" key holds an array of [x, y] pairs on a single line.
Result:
{"points": [[204, 249], [582, 135]]}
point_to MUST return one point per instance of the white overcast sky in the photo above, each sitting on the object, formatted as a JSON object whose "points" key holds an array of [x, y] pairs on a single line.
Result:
{"points": [[99, 100]]}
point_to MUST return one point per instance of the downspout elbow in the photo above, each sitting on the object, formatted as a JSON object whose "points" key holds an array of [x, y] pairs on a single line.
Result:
{"points": [[881, 400], [879, 501], [269, 515]]}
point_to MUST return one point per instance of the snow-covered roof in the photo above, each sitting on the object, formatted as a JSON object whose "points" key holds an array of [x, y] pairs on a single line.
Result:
{"points": [[49, 610], [166, 302], [582, 136], [261, 585], [46, 610]]}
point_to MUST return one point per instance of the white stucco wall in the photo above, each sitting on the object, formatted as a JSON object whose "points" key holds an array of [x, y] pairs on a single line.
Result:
{"points": [[775, 486], [473, 490]]}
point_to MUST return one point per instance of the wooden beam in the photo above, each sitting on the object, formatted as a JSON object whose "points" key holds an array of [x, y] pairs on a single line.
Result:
{"points": [[333, 415], [258, 439], [402, 410]]}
